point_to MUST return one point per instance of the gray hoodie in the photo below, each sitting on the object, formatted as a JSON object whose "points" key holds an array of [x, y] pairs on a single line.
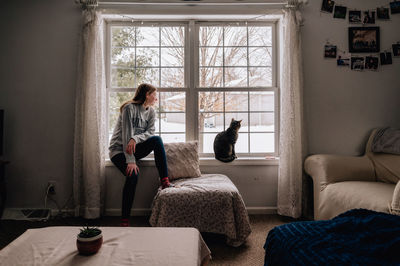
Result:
{"points": [[135, 122]]}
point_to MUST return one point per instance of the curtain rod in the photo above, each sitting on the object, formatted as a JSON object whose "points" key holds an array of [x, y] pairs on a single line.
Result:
{"points": [[195, 3]]}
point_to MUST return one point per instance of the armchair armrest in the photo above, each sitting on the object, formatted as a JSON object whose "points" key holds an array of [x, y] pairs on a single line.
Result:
{"points": [[327, 168]]}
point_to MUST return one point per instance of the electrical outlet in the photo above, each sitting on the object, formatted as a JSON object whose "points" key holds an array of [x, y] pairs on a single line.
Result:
{"points": [[51, 187]]}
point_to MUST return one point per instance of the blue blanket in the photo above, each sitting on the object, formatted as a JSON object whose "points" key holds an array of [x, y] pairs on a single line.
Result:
{"points": [[357, 237]]}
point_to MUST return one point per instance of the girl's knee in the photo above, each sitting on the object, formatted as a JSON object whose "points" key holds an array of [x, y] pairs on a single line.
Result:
{"points": [[157, 140]]}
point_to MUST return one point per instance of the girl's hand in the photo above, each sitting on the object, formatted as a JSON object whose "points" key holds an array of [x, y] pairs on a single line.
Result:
{"points": [[131, 146], [130, 168]]}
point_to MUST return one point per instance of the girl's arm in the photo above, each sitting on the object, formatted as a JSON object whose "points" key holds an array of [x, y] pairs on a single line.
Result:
{"points": [[127, 133]]}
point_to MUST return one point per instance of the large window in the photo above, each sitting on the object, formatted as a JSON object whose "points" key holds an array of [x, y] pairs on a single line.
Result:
{"points": [[207, 73]]}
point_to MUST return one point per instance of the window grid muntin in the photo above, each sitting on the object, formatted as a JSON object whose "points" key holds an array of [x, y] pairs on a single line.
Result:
{"points": [[110, 67], [242, 89], [191, 81]]}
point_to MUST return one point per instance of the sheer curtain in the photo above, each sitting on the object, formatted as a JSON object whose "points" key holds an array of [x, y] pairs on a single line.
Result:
{"points": [[292, 144], [89, 134]]}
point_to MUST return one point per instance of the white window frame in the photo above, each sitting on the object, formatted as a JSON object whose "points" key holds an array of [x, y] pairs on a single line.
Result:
{"points": [[191, 74]]}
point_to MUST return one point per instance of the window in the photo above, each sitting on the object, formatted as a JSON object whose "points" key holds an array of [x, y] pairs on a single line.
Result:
{"points": [[152, 54], [206, 72]]}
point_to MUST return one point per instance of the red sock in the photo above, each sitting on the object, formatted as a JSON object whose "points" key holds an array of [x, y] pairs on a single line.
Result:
{"points": [[165, 182]]}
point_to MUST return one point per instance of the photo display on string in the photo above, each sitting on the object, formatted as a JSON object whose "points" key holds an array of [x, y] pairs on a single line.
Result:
{"points": [[363, 36]]}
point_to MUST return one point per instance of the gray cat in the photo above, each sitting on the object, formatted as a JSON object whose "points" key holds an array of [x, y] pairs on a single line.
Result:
{"points": [[224, 142]]}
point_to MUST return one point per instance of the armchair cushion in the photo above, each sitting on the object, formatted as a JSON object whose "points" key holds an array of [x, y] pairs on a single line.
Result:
{"points": [[395, 206], [387, 165], [343, 196]]}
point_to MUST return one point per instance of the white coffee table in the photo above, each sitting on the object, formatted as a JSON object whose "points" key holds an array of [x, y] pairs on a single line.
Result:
{"points": [[121, 246]]}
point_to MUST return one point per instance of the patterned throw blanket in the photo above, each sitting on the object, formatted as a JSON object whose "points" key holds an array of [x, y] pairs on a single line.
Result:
{"points": [[356, 237], [211, 203]]}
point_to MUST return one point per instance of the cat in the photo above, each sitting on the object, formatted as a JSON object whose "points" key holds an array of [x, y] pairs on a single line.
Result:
{"points": [[224, 142]]}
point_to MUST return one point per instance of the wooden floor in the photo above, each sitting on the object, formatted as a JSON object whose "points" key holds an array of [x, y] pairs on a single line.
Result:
{"points": [[250, 253]]}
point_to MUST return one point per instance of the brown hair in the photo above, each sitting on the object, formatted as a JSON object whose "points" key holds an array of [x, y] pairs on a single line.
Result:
{"points": [[140, 94]]}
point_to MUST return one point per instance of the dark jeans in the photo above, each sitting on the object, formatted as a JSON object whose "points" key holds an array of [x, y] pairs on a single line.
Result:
{"points": [[142, 149]]}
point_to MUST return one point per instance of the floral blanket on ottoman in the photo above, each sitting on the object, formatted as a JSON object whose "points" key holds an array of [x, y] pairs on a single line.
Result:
{"points": [[211, 203]]}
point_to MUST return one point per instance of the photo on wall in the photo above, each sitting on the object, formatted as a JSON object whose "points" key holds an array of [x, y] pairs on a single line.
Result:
{"points": [[327, 6], [371, 62], [369, 17], [396, 49], [364, 40], [382, 13], [343, 59], [330, 51], [355, 16], [386, 58], [395, 7], [357, 63], [340, 12]]}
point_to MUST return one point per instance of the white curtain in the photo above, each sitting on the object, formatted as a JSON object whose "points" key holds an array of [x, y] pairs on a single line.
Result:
{"points": [[291, 146], [89, 134]]}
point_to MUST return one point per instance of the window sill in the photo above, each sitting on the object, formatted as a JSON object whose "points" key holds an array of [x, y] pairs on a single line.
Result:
{"points": [[208, 161]]}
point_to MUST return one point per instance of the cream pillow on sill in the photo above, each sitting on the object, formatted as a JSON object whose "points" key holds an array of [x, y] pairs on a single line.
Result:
{"points": [[182, 159]]}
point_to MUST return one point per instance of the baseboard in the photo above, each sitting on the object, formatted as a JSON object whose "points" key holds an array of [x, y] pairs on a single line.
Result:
{"points": [[147, 211], [143, 211], [262, 210], [134, 212]]}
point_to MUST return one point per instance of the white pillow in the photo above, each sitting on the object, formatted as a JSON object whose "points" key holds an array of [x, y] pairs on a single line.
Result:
{"points": [[182, 159]]}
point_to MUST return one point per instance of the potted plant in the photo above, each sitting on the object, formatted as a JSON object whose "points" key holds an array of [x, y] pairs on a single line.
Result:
{"points": [[89, 240]]}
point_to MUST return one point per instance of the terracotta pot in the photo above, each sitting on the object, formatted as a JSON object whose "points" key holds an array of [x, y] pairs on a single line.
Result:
{"points": [[89, 246]]}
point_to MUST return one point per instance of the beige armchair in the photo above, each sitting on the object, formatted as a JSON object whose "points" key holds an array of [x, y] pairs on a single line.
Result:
{"points": [[342, 183]]}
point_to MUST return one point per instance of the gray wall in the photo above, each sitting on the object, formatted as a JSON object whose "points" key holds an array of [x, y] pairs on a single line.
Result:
{"points": [[38, 54], [342, 106]]}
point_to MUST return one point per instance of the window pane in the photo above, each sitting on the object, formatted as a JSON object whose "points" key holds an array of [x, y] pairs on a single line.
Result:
{"points": [[172, 77], [242, 143], [236, 101], [123, 36], [211, 101], [211, 122], [210, 36], [122, 77], [168, 138], [260, 56], [210, 56], [148, 36], [147, 57], [147, 75], [172, 122], [236, 56], [262, 101], [236, 77], [172, 101], [208, 142], [260, 36], [172, 36], [123, 57], [262, 122], [210, 77], [235, 36], [237, 116], [260, 76], [115, 102], [262, 142], [172, 56]]}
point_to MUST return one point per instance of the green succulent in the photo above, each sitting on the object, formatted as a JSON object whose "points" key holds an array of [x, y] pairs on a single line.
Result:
{"points": [[87, 232]]}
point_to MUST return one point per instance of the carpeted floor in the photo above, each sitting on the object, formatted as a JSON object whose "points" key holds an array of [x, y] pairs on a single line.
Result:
{"points": [[251, 253]]}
